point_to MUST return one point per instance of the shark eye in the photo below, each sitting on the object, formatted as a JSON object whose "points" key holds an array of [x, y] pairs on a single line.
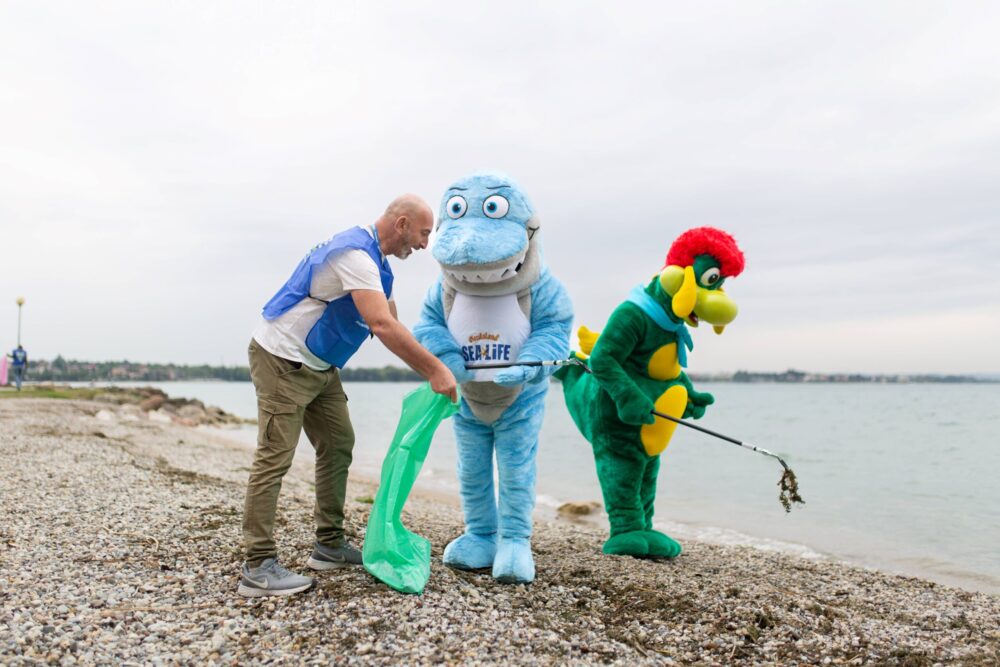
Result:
{"points": [[456, 207], [710, 277], [496, 206]]}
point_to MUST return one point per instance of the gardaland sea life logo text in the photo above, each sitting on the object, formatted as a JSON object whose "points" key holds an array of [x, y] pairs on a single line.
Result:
{"points": [[485, 347]]}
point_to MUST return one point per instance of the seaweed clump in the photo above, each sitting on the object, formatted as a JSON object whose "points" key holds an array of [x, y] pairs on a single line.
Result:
{"points": [[789, 486]]}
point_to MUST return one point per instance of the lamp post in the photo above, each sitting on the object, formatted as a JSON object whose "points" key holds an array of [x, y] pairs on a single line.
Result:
{"points": [[20, 304]]}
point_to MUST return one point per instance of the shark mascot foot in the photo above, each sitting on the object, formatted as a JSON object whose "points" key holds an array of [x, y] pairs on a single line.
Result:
{"points": [[636, 365], [471, 552], [495, 303], [514, 563]]}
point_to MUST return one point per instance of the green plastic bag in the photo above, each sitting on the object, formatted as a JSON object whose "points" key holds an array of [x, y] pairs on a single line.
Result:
{"points": [[391, 553]]}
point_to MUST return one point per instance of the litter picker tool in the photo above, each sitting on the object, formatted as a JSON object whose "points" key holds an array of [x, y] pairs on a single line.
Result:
{"points": [[573, 361], [788, 483]]}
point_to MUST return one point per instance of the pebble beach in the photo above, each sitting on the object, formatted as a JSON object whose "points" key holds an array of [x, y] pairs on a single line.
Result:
{"points": [[120, 544]]}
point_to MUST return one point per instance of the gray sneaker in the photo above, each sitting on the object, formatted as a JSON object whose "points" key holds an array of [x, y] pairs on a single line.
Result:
{"points": [[328, 558], [270, 578]]}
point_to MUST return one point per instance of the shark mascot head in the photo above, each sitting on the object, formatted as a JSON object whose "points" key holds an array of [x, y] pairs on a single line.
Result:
{"points": [[494, 305], [487, 236]]}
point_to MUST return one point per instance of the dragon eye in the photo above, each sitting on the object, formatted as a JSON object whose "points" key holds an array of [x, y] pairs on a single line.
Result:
{"points": [[496, 206], [456, 207], [710, 277]]}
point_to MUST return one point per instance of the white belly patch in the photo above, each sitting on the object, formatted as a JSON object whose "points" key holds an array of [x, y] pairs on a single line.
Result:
{"points": [[489, 330]]}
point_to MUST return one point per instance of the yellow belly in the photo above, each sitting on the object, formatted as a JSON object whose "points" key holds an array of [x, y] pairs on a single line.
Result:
{"points": [[656, 436], [663, 364]]}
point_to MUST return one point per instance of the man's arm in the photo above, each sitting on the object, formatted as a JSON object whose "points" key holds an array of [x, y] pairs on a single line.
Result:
{"points": [[374, 307], [392, 310]]}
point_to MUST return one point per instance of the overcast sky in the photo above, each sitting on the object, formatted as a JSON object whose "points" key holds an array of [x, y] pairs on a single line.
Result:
{"points": [[164, 166]]}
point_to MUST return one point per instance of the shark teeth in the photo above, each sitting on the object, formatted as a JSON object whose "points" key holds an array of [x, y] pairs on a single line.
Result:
{"points": [[493, 275]]}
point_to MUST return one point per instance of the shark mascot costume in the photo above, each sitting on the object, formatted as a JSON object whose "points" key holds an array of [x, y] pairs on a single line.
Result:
{"points": [[495, 303]]}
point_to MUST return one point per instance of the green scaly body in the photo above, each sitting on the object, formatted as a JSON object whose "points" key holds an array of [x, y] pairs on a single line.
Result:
{"points": [[634, 364]]}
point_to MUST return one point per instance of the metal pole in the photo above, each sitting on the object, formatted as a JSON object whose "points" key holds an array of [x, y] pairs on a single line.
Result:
{"points": [[573, 361], [20, 304], [747, 445]]}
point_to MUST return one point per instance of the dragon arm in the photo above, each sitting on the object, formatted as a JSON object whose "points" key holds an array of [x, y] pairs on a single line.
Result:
{"points": [[697, 402], [432, 332], [617, 341]]}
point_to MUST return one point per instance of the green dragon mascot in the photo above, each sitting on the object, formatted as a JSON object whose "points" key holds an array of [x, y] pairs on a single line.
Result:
{"points": [[636, 366]]}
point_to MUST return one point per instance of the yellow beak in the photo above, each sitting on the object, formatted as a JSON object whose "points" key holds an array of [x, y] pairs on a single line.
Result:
{"points": [[684, 300]]}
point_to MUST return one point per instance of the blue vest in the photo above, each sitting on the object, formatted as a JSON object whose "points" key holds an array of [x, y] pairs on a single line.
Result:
{"points": [[340, 330], [20, 357]]}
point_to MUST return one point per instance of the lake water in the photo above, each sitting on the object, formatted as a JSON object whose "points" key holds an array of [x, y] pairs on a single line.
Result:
{"points": [[898, 477]]}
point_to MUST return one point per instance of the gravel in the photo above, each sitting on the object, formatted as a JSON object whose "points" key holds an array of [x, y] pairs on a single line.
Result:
{"points": [[120, 544]]}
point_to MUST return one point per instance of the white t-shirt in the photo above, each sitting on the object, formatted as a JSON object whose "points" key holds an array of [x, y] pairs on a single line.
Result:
{"points": [[342, 272]]}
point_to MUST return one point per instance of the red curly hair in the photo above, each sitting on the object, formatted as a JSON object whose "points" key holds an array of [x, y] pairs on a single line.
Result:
{"points": [[707, 241]]}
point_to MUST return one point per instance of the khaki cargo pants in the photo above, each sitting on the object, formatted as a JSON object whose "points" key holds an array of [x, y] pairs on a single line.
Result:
{"points": [[291, 396]]}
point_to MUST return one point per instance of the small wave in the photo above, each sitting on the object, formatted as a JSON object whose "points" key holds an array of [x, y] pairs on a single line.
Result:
{"points": [[949, 572], [729, 537], [548, 502]]}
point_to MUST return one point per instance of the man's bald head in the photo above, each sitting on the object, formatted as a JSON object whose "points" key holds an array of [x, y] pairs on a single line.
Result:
{"points": [[405, 226], [409, 206]]}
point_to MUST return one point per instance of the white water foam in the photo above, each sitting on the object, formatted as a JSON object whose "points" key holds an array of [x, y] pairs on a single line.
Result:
{"points": [[729, 537]]}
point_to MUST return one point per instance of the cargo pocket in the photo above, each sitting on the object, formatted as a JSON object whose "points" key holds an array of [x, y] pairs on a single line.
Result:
{"points": [[287, 367], [279, 423]]}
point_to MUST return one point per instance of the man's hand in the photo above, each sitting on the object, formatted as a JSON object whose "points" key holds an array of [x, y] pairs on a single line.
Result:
{"points": [[455, 364], [443, 382]]}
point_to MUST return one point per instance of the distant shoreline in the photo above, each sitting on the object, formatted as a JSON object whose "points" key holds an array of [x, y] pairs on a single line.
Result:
{"points": [[66, 370]]}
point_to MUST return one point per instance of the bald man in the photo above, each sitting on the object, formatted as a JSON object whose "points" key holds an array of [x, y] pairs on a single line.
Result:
{"points": [[338, 297]]}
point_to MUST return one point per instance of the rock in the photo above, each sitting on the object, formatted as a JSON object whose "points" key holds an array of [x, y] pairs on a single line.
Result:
{"points": [[578, 508], [152, 403], [161, 416], [192, 412]]}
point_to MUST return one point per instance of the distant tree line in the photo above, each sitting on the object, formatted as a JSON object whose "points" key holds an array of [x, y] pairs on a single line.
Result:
{"points": [[794, 376], [69, 370], [384, 374]]}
